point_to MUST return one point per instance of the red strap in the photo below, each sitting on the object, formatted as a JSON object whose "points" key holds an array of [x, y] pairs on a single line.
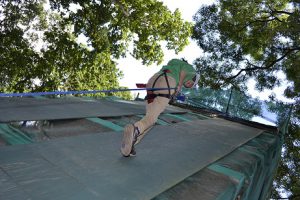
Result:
{"points": [[150, 97], [167, 71], [140, 85]]}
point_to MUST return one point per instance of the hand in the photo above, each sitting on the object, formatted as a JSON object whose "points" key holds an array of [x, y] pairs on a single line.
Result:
{"points": [[178, 90]]}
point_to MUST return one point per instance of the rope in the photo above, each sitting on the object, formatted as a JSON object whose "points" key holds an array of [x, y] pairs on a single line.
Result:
{"points": [[75, 92]]}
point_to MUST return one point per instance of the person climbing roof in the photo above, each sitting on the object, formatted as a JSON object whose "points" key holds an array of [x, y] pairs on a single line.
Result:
{"points": [[173, 76]]}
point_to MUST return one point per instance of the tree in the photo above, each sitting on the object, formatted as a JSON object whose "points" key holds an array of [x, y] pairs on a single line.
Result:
{"points": [[288, 175], [249, 39], [40, 50], [245, 40]]}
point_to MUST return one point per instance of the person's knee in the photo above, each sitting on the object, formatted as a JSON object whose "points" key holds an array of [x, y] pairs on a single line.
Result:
{"points": [[147, 122]]}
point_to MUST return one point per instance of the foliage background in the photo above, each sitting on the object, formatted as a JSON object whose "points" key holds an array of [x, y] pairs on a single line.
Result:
{"points": [[244, 40], [40, 50]]}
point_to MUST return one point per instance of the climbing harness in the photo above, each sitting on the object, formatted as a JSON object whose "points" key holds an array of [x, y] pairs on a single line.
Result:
{"points": [[150, 93]]}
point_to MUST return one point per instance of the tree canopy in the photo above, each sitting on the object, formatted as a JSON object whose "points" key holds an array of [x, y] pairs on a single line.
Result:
{"points": [[249, 39], [40, 48], [245, 40]]}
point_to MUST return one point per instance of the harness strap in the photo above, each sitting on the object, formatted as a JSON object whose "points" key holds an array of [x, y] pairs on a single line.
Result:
{"points": [[165, 73], [151, 96]]}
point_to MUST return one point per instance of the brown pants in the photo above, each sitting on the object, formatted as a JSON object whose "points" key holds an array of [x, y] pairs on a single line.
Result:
{"points": [[159, 104]]}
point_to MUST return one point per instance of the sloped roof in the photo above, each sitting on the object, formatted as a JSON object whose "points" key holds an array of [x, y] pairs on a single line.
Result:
{"points": [[182, 151], [18, 109]]}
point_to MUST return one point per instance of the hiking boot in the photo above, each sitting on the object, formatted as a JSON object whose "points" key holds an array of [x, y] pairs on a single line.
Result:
{"points": [[129, 139], [132, 152]]}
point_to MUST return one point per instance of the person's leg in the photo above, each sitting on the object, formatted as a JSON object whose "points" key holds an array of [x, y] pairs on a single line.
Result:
{"points": [[153, 110], [133, 133]]}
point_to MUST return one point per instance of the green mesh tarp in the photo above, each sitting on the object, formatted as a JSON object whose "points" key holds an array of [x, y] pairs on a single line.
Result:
{"points": [[246, 173], [19, 109], [237, 104], [91, 167], [13, 135]]}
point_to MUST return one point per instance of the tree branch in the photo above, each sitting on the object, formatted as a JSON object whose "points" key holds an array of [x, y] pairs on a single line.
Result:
{"points": [[260, 20], [268, 19], [278, 11], [282, 12], [122, 7], [289, 51]]}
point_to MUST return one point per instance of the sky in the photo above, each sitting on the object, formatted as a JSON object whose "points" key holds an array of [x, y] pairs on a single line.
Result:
{"points": [[135, 72]]}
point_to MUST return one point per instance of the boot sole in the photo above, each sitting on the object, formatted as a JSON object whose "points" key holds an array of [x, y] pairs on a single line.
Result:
{"points": [[127, 141]]}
